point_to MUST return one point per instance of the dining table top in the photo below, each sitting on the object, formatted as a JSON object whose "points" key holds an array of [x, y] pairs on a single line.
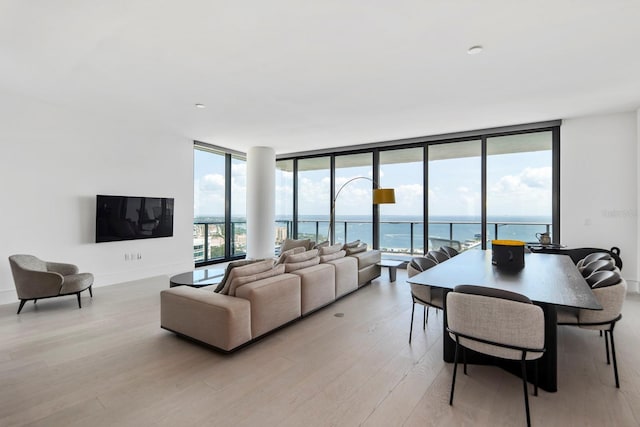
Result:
{"points": [[545, 278]]}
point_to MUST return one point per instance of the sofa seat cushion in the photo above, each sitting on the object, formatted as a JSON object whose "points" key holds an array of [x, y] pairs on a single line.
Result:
{"points": [[318, 286], [218, 320], [274, 301]]}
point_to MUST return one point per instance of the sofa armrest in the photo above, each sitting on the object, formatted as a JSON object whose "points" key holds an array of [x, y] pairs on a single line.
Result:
{"points": [[219, 320]]}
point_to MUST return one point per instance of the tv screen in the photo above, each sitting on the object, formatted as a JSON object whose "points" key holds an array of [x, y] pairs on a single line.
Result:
{"points": [[130, 218]]}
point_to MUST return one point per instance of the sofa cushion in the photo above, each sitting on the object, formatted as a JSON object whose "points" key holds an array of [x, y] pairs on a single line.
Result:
{"points": [[331, 257], [246, 270], [292, 251], [353, 244], [356, 250], [321, 245], [294, 243], [231, 266], [293, 266], [236, 282], [328, 250], [303, 256]]}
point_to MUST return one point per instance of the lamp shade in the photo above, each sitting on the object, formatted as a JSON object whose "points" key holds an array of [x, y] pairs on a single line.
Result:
{"points": [[383, 195]]}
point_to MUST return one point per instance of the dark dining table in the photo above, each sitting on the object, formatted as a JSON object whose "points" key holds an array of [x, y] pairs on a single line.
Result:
{"points": [[548, 280]]}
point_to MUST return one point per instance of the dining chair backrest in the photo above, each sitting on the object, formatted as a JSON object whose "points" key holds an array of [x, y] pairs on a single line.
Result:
{"points": [[598, 265], [437, 256], [495, 322], [449, 251], [611, 298], [595, 256]]}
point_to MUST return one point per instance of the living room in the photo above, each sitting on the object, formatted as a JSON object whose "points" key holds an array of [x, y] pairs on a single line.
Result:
{"points": [[68, 133]]}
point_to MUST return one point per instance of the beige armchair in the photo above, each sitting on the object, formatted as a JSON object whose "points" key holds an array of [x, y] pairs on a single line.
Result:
{"points": [[36, 279]]}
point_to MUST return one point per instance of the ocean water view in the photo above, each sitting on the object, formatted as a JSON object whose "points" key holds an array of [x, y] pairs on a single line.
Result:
{"points": [[397, 232]]}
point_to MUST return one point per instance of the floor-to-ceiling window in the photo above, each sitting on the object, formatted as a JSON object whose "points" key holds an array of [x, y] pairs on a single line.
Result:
{"points": [[284, 201], [219, 204], [238, 206], [519, 186], [313, 196], [402, 224], [353, 208], [454, 197]]}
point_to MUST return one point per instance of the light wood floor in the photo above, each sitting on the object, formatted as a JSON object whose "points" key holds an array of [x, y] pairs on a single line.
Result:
{"points": [[110, 364]]}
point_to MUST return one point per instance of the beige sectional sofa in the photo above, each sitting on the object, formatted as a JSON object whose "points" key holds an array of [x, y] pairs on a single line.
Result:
{"points": [[257, 307]]}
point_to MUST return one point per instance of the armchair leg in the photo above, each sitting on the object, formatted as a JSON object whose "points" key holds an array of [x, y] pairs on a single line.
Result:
{"points": [[22, 303], [91, 291], [606, 346], [78, 296], [425, 316]]}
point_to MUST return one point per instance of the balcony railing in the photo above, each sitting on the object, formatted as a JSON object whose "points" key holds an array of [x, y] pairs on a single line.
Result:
{"points": [[401, 237]]}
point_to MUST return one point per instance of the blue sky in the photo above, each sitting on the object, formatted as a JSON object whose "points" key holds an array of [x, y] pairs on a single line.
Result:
{"points": [[517, 184]]}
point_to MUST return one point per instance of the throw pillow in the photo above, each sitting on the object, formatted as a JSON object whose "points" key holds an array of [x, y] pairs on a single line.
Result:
{"points": [[304, 256], [288, 252], [292, 243], [331, 257], [356, 250], [321, 245], [293, 266], [353, 244], [231, 266], [328, 250], [243, 280], [246, 270]]}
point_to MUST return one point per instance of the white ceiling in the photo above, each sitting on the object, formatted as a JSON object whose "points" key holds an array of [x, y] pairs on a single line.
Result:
{"points": [[301, 75]]}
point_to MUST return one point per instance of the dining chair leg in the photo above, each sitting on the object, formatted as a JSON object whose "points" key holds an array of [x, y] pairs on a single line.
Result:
{"points": [[425, 314], [523, 365], [455, 369], [613, 354], [535, 374], [413, 307], [606, 346], [464, 359]]}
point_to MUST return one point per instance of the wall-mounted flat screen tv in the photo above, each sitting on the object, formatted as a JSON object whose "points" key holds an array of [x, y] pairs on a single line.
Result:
{"points": [[130, 218]]}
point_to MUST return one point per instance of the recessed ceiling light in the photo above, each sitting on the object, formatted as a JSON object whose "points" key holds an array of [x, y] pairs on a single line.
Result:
{"points": [[201, 106], [474, 50]]}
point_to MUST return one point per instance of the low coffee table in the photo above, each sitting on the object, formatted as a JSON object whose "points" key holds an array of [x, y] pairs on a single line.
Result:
{"points": [[198, 278], [392, 265]]}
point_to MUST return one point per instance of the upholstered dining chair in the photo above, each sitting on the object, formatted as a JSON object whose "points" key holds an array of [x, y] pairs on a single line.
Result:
{"points": [[499, 323], [421, 294], [437, 256], [595, 256], [610, 290], [449, 251], [37, 279], [598, 265]]}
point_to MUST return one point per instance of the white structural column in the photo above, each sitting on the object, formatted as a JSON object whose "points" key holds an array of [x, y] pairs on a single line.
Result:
{"points": [[261, 202]]}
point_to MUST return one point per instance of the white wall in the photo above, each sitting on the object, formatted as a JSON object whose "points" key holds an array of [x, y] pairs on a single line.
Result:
{"points": [[599, 185], [52, 165]]}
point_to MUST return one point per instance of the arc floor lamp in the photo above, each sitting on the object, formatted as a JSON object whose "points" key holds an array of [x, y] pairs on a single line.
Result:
{"points": [[379, 196]]}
